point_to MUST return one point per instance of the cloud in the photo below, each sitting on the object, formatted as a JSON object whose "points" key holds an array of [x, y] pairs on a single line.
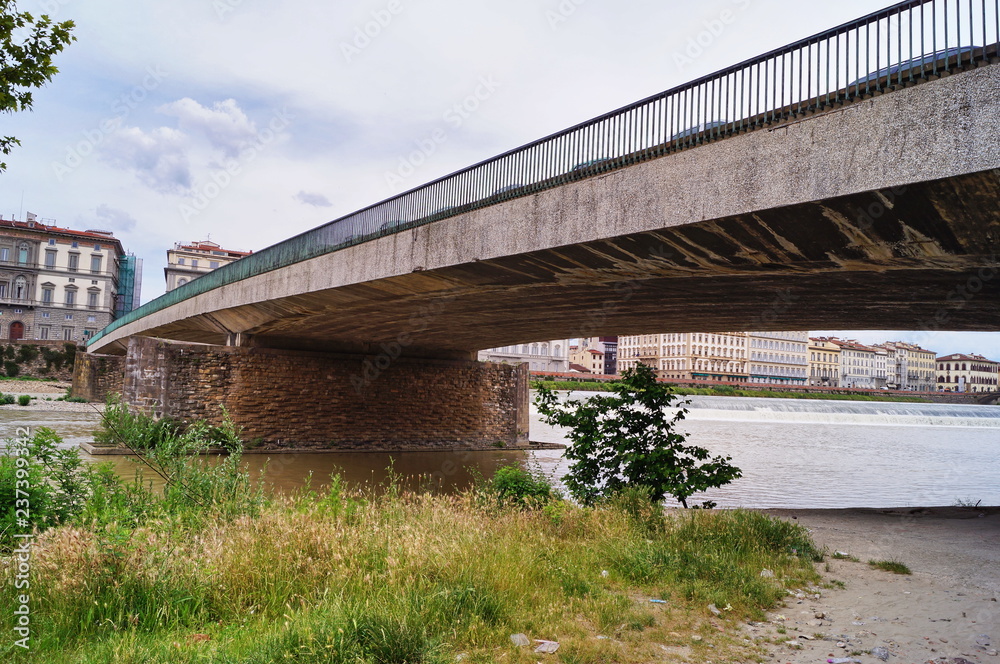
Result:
{"points": [[316, 200], [115, 219], [158, 158], [224, 125]]}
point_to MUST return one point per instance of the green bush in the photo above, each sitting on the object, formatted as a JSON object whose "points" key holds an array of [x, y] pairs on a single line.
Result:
{"points": [[26, 353], [11, 368], [515, 484], [630, 439], [24, 400], [6, 399]]}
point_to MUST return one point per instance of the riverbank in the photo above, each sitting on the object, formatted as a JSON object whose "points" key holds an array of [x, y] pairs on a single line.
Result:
{"points": [[946, 610], [727, 391]]}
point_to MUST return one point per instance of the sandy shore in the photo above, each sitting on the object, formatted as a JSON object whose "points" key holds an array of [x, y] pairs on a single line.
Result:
{"points": [[947, 610]]}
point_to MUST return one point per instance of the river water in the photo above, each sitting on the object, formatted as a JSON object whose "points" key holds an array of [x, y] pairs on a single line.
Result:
{"points": [[793, 453]]}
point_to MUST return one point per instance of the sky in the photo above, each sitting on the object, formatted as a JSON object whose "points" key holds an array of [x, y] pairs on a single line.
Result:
{"points": [[249, 121]]}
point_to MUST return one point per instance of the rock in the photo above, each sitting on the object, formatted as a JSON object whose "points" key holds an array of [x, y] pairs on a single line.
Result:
{"points": [[519, 640], [983, 640], [820, 615], [841, 644], [881, 653], [767, 574], [713, 609], [696, 638], [547, 647]]}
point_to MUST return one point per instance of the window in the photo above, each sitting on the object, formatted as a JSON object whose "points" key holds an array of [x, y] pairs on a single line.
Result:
{"points": [[181, 282], [97, 247], [67, 334], [92, 300], [45, 314], [47, 294], [20, 288], [52, 242], [69, 316], [22, 254], [70, 298], [91, 319], [74, 262], [95, 263], [88, 333], [181, 261], [50, 259], [194, 262], [3, 289], [43, 331], [213, 264], [4, 254], [75, 245]]}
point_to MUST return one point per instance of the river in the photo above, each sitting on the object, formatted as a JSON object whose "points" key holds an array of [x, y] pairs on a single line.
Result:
{"points": [[793, 453]]}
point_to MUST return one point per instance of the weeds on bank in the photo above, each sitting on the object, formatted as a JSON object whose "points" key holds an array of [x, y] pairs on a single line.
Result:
{"points": [[893, 566], [212, 571]]}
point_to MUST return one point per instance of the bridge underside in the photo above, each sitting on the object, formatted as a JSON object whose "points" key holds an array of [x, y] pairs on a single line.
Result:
{"points": [[923, 256]]}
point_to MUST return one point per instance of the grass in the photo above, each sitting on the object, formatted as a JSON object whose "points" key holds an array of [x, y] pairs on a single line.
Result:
{"points": [[728, 391], [893, 566], [211, 572]]}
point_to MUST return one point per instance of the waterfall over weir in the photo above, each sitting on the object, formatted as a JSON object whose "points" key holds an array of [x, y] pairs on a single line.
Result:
{"points": [[842, 412]]}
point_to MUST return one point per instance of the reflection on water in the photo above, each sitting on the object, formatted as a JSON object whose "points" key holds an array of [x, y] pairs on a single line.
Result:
{"points": [[793, 453], [443, 471]]}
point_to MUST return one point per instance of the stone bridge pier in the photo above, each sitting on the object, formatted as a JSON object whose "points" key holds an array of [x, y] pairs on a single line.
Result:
{"points": [[302, 399]]}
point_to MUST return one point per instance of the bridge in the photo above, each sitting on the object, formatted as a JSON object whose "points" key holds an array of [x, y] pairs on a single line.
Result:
{"points": [[851, 179]]}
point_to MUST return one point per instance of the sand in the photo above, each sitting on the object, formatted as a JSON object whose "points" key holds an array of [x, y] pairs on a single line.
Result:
{"points": [[947, 610]]}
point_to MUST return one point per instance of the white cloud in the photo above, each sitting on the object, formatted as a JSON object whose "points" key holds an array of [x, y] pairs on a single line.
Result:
{"points": [[158, 157], [224, 125]]}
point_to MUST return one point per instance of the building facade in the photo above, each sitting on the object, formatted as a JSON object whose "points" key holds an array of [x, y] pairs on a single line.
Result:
{"points": [[858, 364], [780, 358], [688, 355], [967, 373], [597, 355], [824, 362], [539, 356], [910, 367], [57, 284], [186, 262]]}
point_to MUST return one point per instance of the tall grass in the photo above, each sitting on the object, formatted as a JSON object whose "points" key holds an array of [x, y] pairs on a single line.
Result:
{"points": [[210, 571]]}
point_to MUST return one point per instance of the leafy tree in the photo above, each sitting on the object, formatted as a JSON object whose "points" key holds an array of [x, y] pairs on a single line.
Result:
{"points": [[27, 46], [629, 439]]}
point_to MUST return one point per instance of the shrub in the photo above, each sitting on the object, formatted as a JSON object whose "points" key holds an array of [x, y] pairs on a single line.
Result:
{"points": [[6, 399], [629, 439], [11, 368], [26, 353], [24, 400], [512, 483]]}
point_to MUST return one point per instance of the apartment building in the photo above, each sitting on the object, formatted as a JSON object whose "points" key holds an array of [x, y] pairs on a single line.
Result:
{"points": [[186, 262], [967, 373], [57, 283]]}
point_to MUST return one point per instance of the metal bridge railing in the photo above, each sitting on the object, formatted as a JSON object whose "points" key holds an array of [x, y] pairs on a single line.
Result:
{"points": [[895, 47]]}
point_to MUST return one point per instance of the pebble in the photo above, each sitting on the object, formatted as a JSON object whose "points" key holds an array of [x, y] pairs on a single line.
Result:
{"points": [[841, 644], [881, 653], [820, 615]]}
